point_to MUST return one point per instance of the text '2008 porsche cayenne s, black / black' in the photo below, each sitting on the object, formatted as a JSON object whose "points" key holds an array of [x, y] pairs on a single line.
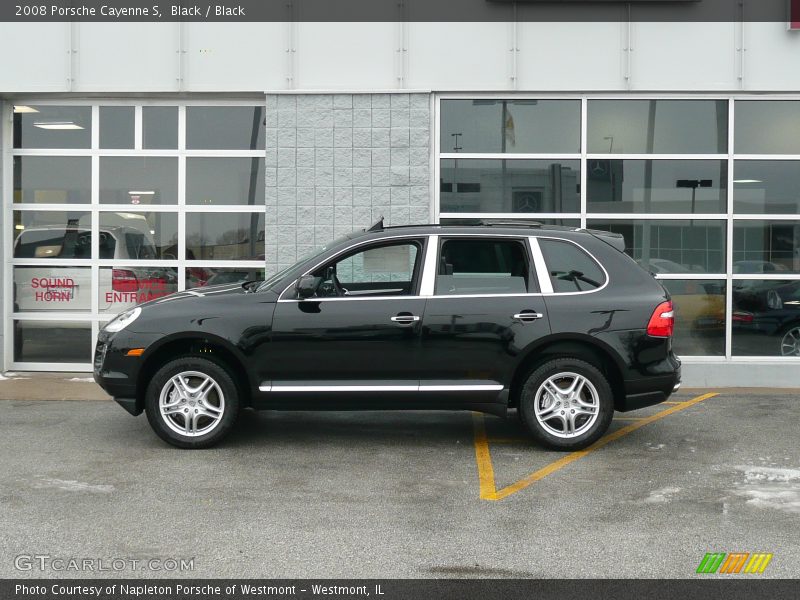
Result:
{"points": [[557, 323]]}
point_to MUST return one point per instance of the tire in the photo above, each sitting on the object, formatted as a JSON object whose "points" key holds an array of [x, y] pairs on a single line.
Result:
{"points": [[790, 340], [207, 391], [590, 412]]}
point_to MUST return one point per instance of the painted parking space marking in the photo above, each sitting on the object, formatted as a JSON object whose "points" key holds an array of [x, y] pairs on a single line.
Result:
{"points": [[483, 457]]}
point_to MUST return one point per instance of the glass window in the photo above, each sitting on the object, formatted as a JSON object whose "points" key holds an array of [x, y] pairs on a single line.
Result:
{"points": [[766, 318], [510, 186], [766, 247], [225, 236], [657, 186], [52, 179], [39, 126], [120, 288], [225, 181], [766, 187], [159, 127], [45, 288], [699, 316], [52, 234], [52, 341], [491, 125], [571, 269], [482, 267], [116, 126], [217, 276], [138, 180], [672, 246], [225, 127], [658, 126], [386, 270], [767, 126], [139, 235]]}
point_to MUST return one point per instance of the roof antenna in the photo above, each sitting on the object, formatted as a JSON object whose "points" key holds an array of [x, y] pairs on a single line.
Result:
{"points": [[377, 226]]}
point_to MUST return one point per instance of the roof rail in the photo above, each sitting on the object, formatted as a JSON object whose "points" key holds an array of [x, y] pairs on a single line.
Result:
{"points": [[509, 223]]}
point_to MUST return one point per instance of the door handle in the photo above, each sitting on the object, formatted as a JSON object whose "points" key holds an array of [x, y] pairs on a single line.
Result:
{"points": [[528, 316], [405, 319]]}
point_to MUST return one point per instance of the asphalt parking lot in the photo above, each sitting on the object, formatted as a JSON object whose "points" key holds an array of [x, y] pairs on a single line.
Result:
{"points": [[406, 494]]}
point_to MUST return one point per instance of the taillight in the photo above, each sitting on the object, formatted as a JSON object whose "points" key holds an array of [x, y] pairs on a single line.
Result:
{"points": [[662, 323], [123, 280], [742, 317]]}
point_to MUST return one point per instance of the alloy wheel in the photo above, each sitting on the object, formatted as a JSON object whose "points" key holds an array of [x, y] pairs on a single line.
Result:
{"points": [[191, 403], [566, 405]]}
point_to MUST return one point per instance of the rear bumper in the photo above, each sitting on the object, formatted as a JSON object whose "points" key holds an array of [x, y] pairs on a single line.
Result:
{"points": [[648, 392]]}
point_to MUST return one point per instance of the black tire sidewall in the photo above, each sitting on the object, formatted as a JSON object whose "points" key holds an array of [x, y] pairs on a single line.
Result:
{"points": [[203, 365], [561, 365]]}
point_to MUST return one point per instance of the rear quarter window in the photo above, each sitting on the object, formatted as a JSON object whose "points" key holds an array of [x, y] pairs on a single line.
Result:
{"points": [[570, 268]]}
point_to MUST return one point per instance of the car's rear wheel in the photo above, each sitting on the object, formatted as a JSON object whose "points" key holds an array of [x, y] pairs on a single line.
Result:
{"points": [[790, 342], [192, 402], [566, 404]]}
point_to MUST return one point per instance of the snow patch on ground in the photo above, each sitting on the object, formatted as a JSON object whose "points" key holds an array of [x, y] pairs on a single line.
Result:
{"points": [[70, 485], [662, 495], [86, 379], [771, 488], [651, 446]]}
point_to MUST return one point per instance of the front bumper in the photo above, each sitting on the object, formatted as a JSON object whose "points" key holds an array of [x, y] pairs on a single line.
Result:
{"points": [[117, 373]]}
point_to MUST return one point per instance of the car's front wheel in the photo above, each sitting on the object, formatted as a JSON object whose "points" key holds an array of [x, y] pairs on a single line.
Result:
{"points": [[192, 402], [566, 404]]}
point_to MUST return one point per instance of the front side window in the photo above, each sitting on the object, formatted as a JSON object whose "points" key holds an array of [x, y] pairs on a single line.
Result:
{"points": [[477, 267], [384, 270], [570, 268]]}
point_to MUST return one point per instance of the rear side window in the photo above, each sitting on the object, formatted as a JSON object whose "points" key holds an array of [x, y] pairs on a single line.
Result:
{"points": [[570, 268], [472, 267]]}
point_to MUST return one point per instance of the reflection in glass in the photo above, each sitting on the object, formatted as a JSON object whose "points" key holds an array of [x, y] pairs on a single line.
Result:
{"points": [[478, 221], [699, 316], [116, 127], [159, 127], [200, 277], [672, 246], [658, 126], [42, 288], [657, 186], [140, 235], [767, 126], [493, 125], [52, 179], [52, 341], [225, 127], [225, 181], [39, 126], [766, 318], [52, 234], [510, 186], [225, 236], [766, 187], [766, 247], [123, 287], [138, 180]]}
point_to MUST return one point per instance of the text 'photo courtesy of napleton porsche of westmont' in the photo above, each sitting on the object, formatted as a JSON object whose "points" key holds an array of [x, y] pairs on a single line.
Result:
{"points": [[428, 299]]}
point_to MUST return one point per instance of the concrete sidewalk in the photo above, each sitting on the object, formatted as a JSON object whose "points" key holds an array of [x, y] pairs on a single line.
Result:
{"points": [[50, 386]]}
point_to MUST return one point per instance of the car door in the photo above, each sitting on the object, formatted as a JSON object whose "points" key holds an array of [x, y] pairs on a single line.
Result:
{"points": [[359, 331], [485, 310]]}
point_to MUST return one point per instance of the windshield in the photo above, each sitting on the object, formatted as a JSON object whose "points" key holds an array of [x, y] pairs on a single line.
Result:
{"points": [[311, 256]]}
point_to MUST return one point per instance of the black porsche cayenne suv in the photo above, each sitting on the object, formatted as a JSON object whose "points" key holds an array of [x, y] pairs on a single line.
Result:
{"points": [[557, 323]]}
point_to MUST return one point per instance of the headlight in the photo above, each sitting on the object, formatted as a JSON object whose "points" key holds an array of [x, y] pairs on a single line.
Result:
{"points": [[122, 320]]}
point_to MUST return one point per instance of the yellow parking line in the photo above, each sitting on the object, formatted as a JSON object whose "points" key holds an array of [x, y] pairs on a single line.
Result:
{"points": [[672, 402], [483, 457]]}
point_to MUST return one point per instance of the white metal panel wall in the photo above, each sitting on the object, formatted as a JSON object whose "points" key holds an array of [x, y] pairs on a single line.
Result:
{"points": [[570, 56], [128, 57], [35, 57], [459, 56], [235, 56], [683, 56], [346, 56], [771, 58]]}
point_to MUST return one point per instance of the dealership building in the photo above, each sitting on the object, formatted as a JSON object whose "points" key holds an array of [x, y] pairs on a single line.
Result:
{"points": [[144, 158]]}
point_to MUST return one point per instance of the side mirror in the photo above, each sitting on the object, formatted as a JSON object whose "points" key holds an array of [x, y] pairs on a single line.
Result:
{"points": [[306, 286]]}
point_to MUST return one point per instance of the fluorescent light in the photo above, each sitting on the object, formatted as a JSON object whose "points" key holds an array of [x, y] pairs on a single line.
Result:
{"points": [[747, 181], [60, 125], [19, 227], [152, 232], [21, 108], [135, 193]]}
